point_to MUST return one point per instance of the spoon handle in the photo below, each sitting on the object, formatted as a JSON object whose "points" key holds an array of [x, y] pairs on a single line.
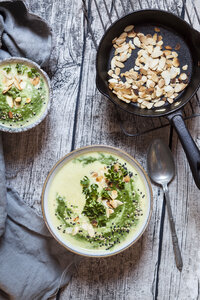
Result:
{"points": [[177, 252]]}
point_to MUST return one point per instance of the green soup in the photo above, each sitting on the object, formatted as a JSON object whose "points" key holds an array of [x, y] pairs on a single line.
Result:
{"points": [[23, 95], [97, 201]]}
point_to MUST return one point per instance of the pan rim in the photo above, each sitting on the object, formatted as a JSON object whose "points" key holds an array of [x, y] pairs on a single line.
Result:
{"points": [[157, 115]]}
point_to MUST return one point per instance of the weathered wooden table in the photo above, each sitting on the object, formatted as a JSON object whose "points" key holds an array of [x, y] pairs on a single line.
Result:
{"points": [[81, 116]]}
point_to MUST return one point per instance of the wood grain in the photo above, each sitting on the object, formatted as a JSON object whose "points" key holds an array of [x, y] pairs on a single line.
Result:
{"points": [[81, 116]]}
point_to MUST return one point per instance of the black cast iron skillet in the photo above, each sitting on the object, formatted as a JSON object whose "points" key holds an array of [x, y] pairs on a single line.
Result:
{"points": [[174, 31]]}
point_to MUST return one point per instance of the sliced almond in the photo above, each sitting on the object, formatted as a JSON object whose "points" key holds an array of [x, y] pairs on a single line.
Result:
{"points": [[119, 64], [179, 87], [175, 62], [185, 67], [17, 83], [110, 72], [168, 47], [114, 194], [131, 34], [28, 100], [159, 103], [7, 89], [183, 76], [161, 83], [18, 99], [129, 28], [117, 71], [137, 42], [10, 114], [9, 100], [120, 41], [127, 178], [177, 47]]}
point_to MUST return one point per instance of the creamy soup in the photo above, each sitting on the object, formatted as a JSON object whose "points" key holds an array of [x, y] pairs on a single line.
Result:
{"points": [[97, 201], [23, 95]]}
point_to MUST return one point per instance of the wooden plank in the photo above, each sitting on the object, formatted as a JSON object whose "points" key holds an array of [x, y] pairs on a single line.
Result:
{"points": [[29, 156], [132, 274], [184, 196]]}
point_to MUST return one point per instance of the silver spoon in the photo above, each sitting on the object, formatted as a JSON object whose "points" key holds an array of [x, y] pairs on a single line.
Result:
{"points": [[161, 169]]}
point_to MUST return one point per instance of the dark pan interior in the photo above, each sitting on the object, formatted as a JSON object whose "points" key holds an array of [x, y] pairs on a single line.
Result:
{"points": [[174, 31]]}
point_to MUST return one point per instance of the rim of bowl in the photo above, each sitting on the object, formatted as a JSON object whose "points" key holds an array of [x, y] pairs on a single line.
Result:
{"points": [[30, 63], [104, 148]]}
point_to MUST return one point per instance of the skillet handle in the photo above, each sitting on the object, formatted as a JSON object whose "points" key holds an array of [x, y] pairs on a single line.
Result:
{"points": [[191, 150]]}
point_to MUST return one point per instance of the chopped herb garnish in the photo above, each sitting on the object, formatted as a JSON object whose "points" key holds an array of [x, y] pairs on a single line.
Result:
{"points": [[32, 73], [7, 69], [21, 68], [102, 158]]}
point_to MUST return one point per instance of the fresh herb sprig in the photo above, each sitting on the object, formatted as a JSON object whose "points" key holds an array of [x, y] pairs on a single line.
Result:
{"points": [[93, 209], [102, 158], [63, 212], [21, 68]]}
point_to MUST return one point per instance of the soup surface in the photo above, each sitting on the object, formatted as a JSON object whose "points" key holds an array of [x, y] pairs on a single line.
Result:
{"points": [[97, 201], [23, 95]]}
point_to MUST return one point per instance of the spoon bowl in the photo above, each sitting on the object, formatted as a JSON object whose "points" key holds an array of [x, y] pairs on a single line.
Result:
{"points": [[160, 162], [161, 169]]}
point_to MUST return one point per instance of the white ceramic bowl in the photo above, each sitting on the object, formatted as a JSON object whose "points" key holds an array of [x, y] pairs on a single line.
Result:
{"points": [[122, 246]]}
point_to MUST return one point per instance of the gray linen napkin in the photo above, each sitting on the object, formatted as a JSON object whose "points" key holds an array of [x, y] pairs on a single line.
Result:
{"points": [[23, 34], [32, 264]]}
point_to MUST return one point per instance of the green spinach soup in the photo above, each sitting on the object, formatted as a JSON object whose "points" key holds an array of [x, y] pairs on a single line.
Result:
{"points": [[97, 201], [23, 95]]}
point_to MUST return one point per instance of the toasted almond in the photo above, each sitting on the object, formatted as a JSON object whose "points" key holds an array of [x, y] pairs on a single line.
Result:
{"points": [[7, 89], [175, 62], [131, 34], [183, 76], [167, 53], [147, 104], [99, 178], [18, 99], [123, 35], [131, 45], [129, 28], [159, 92], [122, 48], [109, 211], [153, 63], [127, 178], [174, 54], [110, 72], [94, 174], [159, 103], [185, 67], [120, 41], [170, 100], [155, 36], [112, 63], [117, 71], [35, 81], [162, 62], [168, 47], [137, 42], [28, 100], [10, 114], [177, 47], [123, 57], [157, 29], [9, 100], [119, 64], [114, 194], [179, 87]]}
